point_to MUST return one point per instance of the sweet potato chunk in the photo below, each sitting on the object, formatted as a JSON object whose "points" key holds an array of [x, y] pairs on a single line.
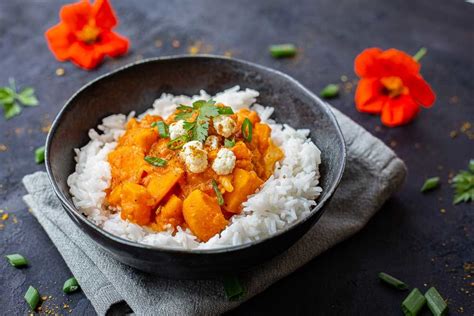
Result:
{"points": [[261, 136], [136, 203], [203, 215], [271, 156], [245, 183], [170, 213], [127, 164], [114, 196], [241, 151], [142, 138], [160, 184]]}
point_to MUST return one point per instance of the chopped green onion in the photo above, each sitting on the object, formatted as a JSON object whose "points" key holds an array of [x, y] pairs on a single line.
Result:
{"points": [[283, 50], [436, 303], [430, 184], [70, 285], [220, 199], [153, 124], [413, 303], [225, 110], [32, 297], [156, 161], [178, 142], [229, 143], [163, 130], [330, 91], [39, 154], [247, 130], [393, 281], [17, 260], [233, 288]]}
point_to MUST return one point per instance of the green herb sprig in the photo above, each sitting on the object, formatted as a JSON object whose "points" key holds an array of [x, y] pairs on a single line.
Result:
{"points": [[204, 111], [463, 184], [10, 99]]}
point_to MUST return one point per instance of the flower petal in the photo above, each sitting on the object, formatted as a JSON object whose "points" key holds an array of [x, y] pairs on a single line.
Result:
{"points": [[76, 15], [365, 64], [112, 44], [399, 111], [59, 40], [85, 56], [104, 14], [368, 97], [395, 62], [420, 90]]}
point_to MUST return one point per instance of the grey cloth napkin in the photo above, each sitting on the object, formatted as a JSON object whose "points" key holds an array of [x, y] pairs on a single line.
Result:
{"points": [[372, 174]]}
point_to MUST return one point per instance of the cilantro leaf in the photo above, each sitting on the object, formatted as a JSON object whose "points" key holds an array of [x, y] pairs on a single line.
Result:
{"points": [[463, 184], [203, 111], [27, 97], [10, 100], [7, 95], [11, 109]]}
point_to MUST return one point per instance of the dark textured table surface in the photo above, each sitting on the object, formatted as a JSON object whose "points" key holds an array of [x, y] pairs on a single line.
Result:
{"points": [[421, 238]]}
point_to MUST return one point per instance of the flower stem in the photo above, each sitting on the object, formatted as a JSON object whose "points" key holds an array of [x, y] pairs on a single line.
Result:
{"points": [[420, 54]]}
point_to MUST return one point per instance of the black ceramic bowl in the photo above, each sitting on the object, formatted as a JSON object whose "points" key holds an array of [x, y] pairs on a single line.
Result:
{"points": [[134, 88]]}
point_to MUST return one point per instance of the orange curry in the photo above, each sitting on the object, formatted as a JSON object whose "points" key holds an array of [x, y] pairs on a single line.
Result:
{"points": [[193, 169]]}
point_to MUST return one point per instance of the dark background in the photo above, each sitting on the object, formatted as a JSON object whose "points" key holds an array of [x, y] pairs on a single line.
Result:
{"points": [[421, 238]]}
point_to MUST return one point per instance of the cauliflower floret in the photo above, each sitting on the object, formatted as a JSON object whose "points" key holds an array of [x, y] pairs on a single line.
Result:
{"points": [[194, 156], [212, 142], [176, 129], [224, 162], [224, 125]]}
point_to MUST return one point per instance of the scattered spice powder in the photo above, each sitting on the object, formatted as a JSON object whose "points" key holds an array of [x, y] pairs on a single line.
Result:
{"points": [[3, 147], [454, 99], [60, 72], [393, 144], [228, 53], [195, 48], [378, 128], [5, 217], [344, 78], [175, 43], [14, 219], [442, 210], [158, 43], [453, 134]]}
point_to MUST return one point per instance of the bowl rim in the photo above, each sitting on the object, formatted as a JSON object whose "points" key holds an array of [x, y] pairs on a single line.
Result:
{"points": [[72, 210]]}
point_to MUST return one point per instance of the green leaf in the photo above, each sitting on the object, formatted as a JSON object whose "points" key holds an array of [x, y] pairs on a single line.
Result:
{"points": [[208, 111], [225, 110], [27, 97], [200, 131], [463, 184], [189, 125], [11, 109], [7, 95], [430, 184], [198, 104], [229, 143], [330, 91]]}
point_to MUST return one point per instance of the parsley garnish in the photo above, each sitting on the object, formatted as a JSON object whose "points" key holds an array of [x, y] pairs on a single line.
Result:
{"points": [[203, 111], [463, 184], [10, 99]]}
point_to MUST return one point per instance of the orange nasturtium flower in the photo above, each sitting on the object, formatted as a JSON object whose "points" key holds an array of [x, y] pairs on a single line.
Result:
{"points": [[391, 85], [84, 34]]}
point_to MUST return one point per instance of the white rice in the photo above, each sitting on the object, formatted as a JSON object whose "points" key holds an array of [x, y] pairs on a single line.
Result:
{"points": [[286, 197]]}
